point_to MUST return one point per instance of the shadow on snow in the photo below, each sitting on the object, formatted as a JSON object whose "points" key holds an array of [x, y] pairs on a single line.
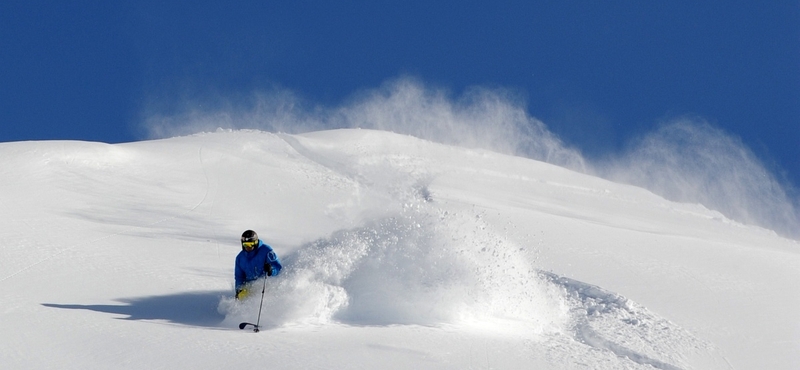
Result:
{"points": [[190, 308]]}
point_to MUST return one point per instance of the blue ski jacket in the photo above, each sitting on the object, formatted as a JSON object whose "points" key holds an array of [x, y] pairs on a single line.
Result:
{"points": [[250, 265]]}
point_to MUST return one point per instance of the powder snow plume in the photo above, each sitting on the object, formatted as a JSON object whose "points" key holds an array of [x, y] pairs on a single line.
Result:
{"points": [[423, 266]]}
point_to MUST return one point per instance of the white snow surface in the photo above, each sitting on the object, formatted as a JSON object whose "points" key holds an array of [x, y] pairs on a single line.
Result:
{"points": [[398, 253]]}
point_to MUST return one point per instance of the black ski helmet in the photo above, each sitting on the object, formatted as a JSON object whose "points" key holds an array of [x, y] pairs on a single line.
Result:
{"points": [[249, 236]]}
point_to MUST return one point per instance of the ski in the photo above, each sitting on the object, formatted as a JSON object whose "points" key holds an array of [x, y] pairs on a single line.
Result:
{"points": [[244, 325]]}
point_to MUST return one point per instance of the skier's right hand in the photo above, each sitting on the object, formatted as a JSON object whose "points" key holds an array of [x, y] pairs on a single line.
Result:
{"points": [[241, 293]]}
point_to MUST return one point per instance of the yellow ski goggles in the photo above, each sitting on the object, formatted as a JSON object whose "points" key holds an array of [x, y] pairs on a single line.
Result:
{"points": [[248, 246]]}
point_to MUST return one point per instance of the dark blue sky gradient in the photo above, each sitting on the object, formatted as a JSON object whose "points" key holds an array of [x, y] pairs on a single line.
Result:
{"points": [[597, 73]]}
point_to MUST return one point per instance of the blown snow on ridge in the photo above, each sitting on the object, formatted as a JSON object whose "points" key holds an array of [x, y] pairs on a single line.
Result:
{"points": [[685, 160]]}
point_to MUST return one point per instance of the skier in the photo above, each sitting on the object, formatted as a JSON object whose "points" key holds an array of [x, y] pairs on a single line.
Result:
{"points": [[254, 261]]}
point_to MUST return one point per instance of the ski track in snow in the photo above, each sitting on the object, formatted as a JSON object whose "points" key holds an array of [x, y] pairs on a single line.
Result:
{"points": [[608, 321]]}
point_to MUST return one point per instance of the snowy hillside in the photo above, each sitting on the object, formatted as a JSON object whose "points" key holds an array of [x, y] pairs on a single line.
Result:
{"points": [[398, 253]]}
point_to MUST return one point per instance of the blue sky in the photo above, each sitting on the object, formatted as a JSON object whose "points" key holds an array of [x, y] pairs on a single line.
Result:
{"points": [[596, 73]]}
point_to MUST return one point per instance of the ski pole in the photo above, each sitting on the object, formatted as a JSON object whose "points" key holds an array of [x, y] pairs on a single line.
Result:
{"points": [[255, 326], [261, 305]]}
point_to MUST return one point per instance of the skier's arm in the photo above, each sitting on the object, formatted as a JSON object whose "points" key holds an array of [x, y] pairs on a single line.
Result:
{"points": [[272, 265]]}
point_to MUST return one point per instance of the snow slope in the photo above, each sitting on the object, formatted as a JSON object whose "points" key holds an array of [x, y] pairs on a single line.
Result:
{"points": [[399, 253]]}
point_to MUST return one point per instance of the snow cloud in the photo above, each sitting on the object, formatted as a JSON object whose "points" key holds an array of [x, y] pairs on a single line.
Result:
{"points": [[688, 160], [481, 118]]}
